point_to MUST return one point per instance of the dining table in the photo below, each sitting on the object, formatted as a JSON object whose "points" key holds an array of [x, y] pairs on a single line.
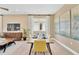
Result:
{"points": [[31, 41]]}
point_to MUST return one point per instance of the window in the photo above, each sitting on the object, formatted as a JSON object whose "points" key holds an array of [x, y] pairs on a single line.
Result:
{"points": [[75, 23], [40, 26], [13, 27], [57, 24], [65, 24], [40, 23]]}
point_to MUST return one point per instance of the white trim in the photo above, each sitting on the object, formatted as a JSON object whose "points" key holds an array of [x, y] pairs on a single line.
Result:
{"points": [[66, 47]]}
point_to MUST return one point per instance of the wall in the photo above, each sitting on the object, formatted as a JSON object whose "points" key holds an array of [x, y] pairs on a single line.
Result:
{"points": [[0, 24], [22, 19], [68, 41], [65, 8], [52, 28]]}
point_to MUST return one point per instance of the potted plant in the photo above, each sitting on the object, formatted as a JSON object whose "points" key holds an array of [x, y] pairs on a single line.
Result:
{"points": [[24, 34]]}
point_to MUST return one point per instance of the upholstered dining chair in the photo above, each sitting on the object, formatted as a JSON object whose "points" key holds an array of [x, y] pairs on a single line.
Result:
{"points": [[40, 46]]}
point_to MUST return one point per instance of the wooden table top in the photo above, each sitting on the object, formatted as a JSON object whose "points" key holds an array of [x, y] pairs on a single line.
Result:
{"points": [[47, 41], [5, 40]]}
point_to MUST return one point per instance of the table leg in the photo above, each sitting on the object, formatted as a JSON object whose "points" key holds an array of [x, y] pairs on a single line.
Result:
{"points": [[49, 49], [31, 48], [35, 53], [4, 48], [14, 42]]}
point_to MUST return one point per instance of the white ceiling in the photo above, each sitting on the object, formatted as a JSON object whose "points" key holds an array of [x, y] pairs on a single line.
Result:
{"points": [[31, 8]]}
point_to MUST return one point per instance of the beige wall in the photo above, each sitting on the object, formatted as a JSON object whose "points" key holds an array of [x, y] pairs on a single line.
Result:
{"points": [[65, 8], [14, 19], [71, 43], [52, 28], [23, 20], [0, 24]]}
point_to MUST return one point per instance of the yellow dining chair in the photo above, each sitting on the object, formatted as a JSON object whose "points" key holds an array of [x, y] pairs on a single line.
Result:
{"points": [[40, 46]]}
